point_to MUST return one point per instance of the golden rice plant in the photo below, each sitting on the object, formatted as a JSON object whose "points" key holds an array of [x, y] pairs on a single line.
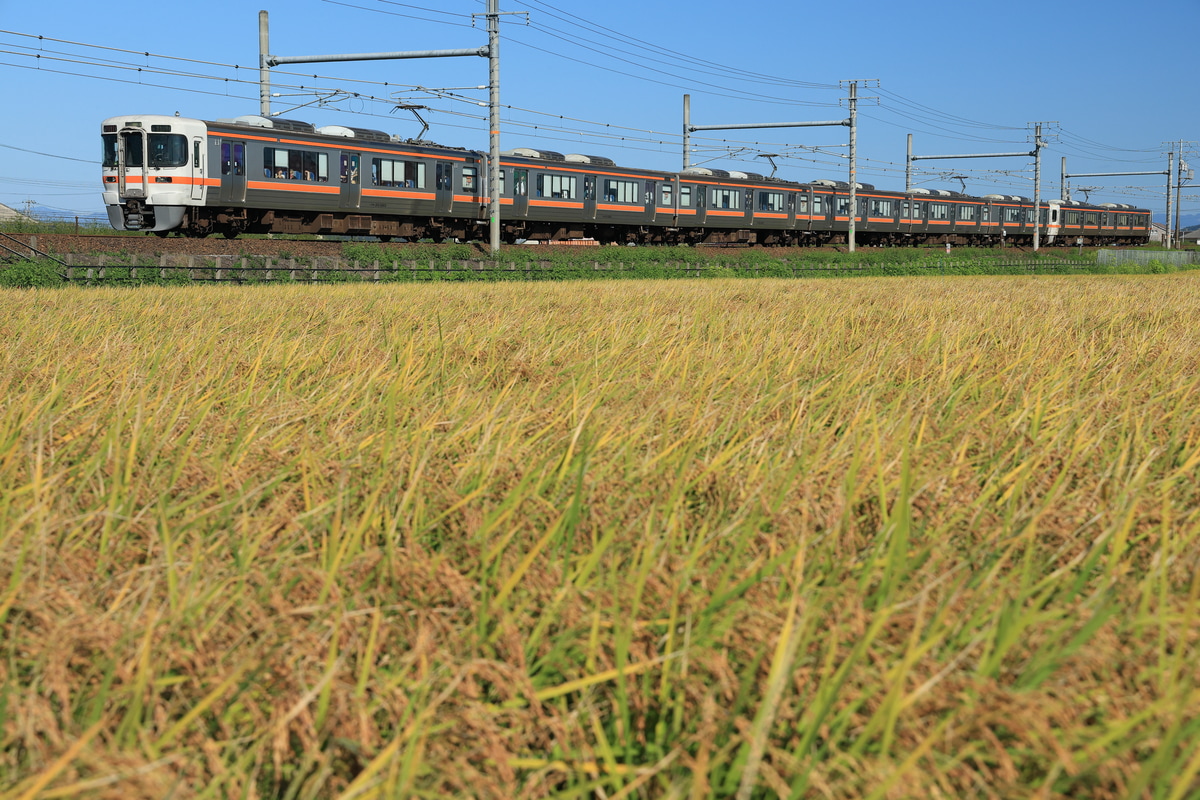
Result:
{"points": [[885, 538]]}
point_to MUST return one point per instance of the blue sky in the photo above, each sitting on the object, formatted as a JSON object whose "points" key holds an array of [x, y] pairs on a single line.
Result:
{"points": [[1114, 81]]}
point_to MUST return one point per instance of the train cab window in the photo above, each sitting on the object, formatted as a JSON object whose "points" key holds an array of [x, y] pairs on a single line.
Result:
{"points": [[167, 150], [616, 191], [668, 195], [685, 197], [726, 198], [468, 179], [557, 186], [770, 201]]}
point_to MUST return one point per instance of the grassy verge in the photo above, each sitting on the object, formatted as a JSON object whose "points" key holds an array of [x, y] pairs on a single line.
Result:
{"points": [[881, 538], [459, 263]]}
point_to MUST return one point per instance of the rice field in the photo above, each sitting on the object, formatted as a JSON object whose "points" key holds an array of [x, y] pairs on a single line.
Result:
{"points": [[878, 538]]}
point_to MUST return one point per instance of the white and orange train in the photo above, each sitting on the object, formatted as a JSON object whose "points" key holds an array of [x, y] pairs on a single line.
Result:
{"points": [[256, 175]]}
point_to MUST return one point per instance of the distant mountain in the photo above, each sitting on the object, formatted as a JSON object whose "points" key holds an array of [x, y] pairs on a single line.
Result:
{"points": [[1186, 221], [48, 214]]}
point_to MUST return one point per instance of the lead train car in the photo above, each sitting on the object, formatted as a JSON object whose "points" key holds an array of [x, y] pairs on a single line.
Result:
{"points": [[258, 175]]}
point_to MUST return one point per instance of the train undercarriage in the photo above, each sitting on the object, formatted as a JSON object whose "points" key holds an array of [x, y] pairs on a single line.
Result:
{"points": [[232, 222]]}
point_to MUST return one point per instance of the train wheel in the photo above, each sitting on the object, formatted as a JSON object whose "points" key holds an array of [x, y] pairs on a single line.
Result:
{"points": [[230, 233], [162, 234]]}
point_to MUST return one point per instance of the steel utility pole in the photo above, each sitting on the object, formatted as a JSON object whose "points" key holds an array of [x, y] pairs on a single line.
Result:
{"points": [[853, 103], [264, 71], [1037, 185], [1184, 174], [1170, 239], [493, 25]]}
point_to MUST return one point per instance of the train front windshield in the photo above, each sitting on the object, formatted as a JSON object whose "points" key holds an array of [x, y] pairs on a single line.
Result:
{"points": [[166, 149]]}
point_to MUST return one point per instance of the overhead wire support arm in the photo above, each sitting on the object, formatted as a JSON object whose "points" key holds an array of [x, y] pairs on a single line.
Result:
{"points": [[275, 61]]}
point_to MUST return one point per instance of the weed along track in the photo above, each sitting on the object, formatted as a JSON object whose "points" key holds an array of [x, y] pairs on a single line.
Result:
{"points": [[888, 538]]}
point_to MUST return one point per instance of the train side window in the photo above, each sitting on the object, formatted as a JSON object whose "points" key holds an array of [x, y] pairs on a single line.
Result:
{"points": [[770, 201], [727, 198], [817, 206], [310, 165], [668, 192], [620, 191], [196, 154], [414, 174], [881, 208], [521, 182], [558, 186], [966, 213], [802, 204], [939, 211], [468, 179], [501, 181], [685, 197], [323, 167], [987, 213]]}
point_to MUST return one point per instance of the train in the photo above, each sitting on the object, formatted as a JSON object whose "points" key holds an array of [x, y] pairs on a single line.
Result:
{"points": [[253, 174]]}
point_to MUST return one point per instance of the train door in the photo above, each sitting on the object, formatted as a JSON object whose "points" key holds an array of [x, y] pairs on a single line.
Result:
{"points": [[233, 171], [651, 199], [748, 204], [197, 168], [445, 186], [701, 203], [589, 196], [520, 191], [351, 178]]}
